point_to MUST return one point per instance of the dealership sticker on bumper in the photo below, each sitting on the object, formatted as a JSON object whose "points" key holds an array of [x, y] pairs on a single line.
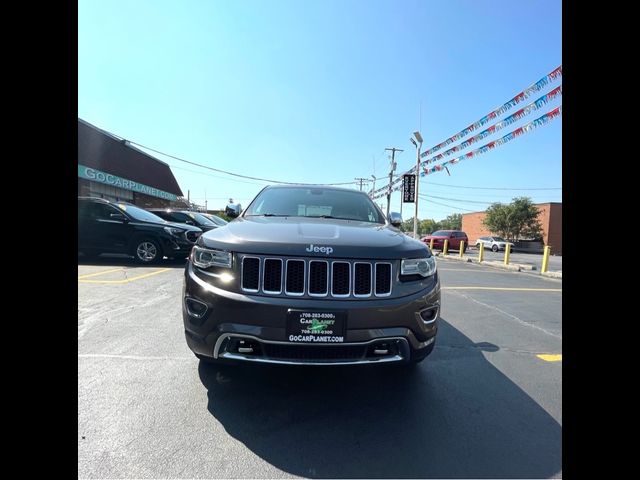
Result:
{"points": [[315, 326]]}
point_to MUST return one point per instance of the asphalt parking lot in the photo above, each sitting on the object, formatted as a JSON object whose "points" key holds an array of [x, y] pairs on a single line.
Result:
{"points": [[486, 403]]}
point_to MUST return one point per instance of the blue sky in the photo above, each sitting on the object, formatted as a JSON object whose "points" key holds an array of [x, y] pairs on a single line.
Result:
{"points": [[314, 90]]}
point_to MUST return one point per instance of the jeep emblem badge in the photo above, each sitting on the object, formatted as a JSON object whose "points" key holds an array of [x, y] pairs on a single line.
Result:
{"points": [[316, 249]]}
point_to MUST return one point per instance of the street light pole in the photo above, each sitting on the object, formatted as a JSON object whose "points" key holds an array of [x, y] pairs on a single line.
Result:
{"points": [[415, 211]]}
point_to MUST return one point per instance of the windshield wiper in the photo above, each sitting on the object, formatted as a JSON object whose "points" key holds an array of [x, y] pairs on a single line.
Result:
{"points": [[324, 216], [269, 215]]}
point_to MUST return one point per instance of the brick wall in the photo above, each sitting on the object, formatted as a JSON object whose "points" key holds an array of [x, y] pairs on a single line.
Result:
{"points": [[554, 237], [473, 227]]}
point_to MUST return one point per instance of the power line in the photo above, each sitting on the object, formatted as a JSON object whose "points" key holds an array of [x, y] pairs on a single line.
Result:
{"points": [[493, 188], [445, 205], [231, 173], [490, 195], [361, 180], [216, 169], [215, 176], [460, 200]]}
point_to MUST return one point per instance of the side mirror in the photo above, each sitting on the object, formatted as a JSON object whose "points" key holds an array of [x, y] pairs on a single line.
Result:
{"points": [[233, 210], [190, 222], [118, 216], [395, 219]]}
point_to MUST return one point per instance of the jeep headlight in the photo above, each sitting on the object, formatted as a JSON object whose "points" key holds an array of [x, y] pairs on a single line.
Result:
{"points": [[418, 266], [206, 257]]}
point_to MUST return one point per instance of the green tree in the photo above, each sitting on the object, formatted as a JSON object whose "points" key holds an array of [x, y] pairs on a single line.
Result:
{"points": [[428, 226], [452, 222], [524, 219], [407, 225], [515, 220], [496, 219]]}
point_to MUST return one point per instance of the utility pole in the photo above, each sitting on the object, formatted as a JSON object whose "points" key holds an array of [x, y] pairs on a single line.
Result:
{"points": [[415, 211], [373, 188], [393, 167], [361, 180]]}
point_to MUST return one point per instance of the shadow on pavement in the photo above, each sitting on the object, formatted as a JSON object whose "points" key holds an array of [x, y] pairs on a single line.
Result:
{"points": [[455, 415], [128, 261]]}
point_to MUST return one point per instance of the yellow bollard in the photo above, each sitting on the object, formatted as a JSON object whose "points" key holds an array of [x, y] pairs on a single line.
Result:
{"points": [[445, 249], [507, 252], [481, 252], [431, 244], [545, 258], [461, 248]]}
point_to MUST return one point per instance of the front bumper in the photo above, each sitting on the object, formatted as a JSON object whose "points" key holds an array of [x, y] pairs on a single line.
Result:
{"points": [[176, 246], [235, 326]]}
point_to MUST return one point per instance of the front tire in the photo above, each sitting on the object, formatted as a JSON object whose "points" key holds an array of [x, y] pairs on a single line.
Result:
{"points": [[494, 248], [147, 251]]}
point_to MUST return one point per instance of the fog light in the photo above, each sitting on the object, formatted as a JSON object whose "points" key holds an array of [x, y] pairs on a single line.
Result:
{"points": [[428, 315], [196, 308]]}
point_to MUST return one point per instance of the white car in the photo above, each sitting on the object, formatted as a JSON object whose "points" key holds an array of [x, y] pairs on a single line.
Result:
{"points": [[494, 243]]}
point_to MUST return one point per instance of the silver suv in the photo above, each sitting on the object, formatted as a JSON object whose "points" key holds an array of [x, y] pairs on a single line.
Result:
{"points": [[494, 243]]}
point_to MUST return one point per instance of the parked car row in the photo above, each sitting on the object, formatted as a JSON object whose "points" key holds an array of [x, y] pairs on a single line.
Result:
{"points": [[456, 236], [147, 235]]}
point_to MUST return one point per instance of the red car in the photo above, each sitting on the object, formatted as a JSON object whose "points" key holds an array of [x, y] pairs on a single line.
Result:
{"points": [[454, 237]]}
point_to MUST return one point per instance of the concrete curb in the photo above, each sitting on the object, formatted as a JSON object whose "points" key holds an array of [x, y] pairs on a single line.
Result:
{"points": [[512, 266], [454, 257], [557, 274]]}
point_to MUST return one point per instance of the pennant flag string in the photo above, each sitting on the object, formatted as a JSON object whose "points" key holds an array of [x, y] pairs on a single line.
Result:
{"points": [[500, 125], [536, 87], [538, 122]]}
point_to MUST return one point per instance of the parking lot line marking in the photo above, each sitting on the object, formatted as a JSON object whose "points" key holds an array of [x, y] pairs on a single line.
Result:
{"points": [[507, 314], [465, 270], [550, 358], [131, 357], [100, 273], [508, 289], [126, 280]]}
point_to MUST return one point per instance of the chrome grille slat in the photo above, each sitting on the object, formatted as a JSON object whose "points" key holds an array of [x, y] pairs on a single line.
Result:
{"points": [[314, 277], [294, 278], [381, 278], [318, 278], [250, 274], [362, 279], [272, 276], [338, 281]]}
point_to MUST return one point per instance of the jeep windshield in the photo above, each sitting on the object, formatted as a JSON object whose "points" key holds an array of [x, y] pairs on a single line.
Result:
{"points": [[315, 202]]}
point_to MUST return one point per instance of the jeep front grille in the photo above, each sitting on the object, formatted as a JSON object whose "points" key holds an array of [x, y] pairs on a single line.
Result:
{"points": [[316, 278]]}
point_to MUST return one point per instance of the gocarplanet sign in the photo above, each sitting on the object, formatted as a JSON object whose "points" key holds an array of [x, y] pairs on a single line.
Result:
{"points": [[96, 175]]}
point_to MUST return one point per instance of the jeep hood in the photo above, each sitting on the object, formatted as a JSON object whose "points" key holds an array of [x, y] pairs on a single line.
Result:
{"points": [[294, 236]]}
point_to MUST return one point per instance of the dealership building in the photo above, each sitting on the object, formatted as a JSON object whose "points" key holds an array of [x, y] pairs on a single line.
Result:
{"points": [[550, 218], [111, 168]]}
